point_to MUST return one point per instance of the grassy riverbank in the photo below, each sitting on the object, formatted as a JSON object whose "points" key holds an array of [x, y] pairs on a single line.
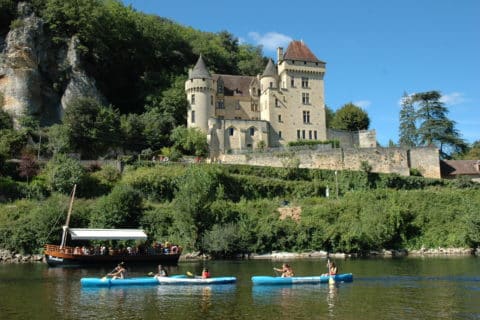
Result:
{"points": [[227, 210]]}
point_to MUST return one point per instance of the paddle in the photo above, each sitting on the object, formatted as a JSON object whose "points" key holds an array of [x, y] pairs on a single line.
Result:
{"points": [[105, 277], [190, 274], [331, 280]]}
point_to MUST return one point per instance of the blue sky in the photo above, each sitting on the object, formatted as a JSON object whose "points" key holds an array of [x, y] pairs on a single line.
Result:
{"points": [[375, 49]]}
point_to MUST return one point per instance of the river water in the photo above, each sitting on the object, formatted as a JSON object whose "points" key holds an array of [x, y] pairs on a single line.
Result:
{"points": [[406, 288]]}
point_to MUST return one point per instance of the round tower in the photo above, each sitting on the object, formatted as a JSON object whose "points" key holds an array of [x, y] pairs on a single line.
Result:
{"points": [[200, 95]]}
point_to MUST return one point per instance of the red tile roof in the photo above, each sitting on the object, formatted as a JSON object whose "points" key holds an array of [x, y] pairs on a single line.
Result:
{"points": [[297, 50]]}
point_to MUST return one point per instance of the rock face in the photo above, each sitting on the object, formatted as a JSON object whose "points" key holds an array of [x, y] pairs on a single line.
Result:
{"points": [[38, 77]]}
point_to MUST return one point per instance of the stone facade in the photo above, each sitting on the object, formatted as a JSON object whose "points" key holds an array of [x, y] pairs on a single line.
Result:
{"points": [[285, 103]]}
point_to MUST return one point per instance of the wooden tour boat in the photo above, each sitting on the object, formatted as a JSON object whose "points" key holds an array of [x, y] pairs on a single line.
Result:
{"points": [[62, 255]]}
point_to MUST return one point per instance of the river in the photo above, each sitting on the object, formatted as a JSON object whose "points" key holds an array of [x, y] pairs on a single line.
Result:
{"points": [[404, 288]]}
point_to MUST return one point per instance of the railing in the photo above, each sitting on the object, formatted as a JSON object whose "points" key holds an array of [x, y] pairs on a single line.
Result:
{"points": [[78, 251]]}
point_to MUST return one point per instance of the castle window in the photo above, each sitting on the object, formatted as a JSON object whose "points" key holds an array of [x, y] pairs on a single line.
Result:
{"points": [[315, 134], [306, 117], [280, 134], [230, 131], [279, 118], [271, 84], [304, 82], [237, 106], [193, 116], [303, 134], [292, 82], [305, 98], [298, 134], [276, 103], [310, 134], [220, 86], [304, 62], [220, 105], [192, 99], [258, 92], [211, 100], [252, 132], [238, 118]]}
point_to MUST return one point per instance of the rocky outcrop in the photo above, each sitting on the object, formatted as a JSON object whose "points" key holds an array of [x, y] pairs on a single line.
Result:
{"points": [[7, 256], [39, 77]]}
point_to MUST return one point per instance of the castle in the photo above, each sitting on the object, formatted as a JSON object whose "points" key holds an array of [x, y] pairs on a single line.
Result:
{"points": [[285, 103]]}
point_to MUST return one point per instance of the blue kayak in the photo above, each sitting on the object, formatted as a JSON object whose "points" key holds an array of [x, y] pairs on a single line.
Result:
{"points": [[109, 282], [195, 281], [266, 280]]}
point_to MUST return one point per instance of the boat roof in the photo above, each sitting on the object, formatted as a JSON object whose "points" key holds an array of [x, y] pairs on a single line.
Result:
{"points": [[107, 234]]}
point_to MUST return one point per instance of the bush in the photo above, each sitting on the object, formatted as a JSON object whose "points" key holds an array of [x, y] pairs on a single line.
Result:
{"points": [[63, 173]]}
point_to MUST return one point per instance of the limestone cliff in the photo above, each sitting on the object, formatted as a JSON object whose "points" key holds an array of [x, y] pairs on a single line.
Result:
{"points": [[38, 77]]}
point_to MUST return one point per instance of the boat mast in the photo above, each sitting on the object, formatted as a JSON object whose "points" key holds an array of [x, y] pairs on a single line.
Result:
{"points": [[65, 227]]}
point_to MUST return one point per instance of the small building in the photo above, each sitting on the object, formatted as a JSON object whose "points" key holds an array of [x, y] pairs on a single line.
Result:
{"points": [[451, 169]]}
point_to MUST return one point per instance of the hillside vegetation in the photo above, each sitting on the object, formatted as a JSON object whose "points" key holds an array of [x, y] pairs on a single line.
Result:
{"points": [[225, 210]]}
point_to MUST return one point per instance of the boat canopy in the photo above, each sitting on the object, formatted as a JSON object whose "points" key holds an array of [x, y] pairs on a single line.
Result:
{"points": [[107, 234]]}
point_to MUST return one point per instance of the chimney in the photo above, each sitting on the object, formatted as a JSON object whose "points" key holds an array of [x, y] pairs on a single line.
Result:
{"points": [[279, 54]]}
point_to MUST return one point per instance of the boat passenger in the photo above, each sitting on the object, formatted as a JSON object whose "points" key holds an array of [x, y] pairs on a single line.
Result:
{"points": [[286, 270], [205, 273], [161, 271], [120, 272]]}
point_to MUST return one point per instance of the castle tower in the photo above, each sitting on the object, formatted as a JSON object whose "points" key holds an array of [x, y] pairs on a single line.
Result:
{"points": [[268, 84], [200, 91]]}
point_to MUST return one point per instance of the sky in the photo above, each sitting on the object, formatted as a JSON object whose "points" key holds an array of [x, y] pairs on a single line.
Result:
{"points": [[375, 50]]}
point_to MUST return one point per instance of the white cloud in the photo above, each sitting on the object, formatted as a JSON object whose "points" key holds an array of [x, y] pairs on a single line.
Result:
{"points": [[270, 40], [453, 98], [363, 103]]}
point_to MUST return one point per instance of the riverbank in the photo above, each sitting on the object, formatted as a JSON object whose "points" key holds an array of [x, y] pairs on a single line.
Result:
{"points": [[7, 256]]}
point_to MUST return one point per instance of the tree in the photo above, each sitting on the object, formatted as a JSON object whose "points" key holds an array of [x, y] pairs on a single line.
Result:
{"points": [[350, 117], [122, 208], [63, 172], [93, 128], [435, 128], [408, 128], [190, 141], [157, 127], [59, 139], [250, 59], [471, 153], [329, 116], [132, 128], [6, 121], [28, 166]]}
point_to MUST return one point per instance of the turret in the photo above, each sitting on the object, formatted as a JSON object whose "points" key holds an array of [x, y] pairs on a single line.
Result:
{"points": [[200, 92], [269, 76]]}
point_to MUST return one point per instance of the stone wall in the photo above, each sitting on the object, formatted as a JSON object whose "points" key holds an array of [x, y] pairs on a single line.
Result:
{"points": [[426, 160], [381, 160], [350, 139]]}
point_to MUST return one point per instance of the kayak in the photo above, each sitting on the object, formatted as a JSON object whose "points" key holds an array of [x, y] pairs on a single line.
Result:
{"points": [[109, 282], [195, 281], [266, 280]]}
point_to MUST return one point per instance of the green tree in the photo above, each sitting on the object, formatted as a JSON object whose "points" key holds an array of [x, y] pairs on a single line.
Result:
{"points": [[132, 128], [329, 116], [408, 118], [436, 128], [156, 128], [196, 191], [6, 121], [59, 139], [93, 128], [122, 208], [350, 117], [250, 59], [63, 172], [190, 141], [471, 153]]}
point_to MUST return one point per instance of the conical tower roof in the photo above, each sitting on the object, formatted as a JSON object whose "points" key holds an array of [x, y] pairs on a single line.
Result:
{"points": [[200, 70], [270, 70]]}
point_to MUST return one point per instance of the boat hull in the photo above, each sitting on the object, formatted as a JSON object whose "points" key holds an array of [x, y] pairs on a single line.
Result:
{"points": [[266, 280], [195, 281], [109, 282], [56, 257]]}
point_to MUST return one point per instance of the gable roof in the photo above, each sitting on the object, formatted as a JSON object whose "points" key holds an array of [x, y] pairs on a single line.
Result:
{"points": [[459, 167], [297, 50], [235, 85]]}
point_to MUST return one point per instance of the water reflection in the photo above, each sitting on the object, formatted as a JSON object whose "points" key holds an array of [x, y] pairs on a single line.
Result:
{"points": [[332, 297]]}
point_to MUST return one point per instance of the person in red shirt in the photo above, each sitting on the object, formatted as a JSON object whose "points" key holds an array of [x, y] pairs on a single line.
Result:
{"points": [[205, 273]]}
